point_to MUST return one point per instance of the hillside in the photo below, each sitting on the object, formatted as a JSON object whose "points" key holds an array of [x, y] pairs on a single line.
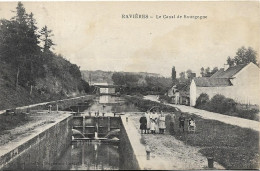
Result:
{"points": [[99, 76], [29, 71], [47, 88]]}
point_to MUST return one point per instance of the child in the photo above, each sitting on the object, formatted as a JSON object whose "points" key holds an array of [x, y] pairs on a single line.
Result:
{"points": [[143, 123], [152, 126]]}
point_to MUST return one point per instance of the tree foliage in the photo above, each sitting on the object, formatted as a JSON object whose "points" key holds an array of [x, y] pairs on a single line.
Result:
{"points": [[20, 42], [208, 72], [135, 83], [243, 56], [173, 74]]}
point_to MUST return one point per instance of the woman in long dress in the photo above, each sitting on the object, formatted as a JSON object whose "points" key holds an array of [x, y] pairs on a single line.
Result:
{"points": [[162, 125], [155, 117], [147, 115]]}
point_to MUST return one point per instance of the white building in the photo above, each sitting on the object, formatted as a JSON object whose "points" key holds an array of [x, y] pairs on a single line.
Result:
{"points": [[240, 83]]}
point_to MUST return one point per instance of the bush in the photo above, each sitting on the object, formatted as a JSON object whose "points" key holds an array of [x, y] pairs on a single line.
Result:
{"points": [[251, 114], [227, 106], [216, 103], [202, 100]]}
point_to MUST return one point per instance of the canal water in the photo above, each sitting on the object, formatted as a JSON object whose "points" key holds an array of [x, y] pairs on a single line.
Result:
{"points": [[95, 155], [89, 156]]}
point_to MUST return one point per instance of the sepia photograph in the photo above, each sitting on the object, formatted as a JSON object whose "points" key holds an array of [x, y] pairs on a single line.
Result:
{"points": [[129, 85]]}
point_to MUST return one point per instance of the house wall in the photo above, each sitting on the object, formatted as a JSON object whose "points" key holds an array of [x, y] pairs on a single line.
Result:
{"points": [[111, 90], [193, 93], [107, 90], [103, 90], [245, 87]]}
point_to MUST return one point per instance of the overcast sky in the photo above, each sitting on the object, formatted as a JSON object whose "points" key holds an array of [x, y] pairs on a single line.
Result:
{"points": [[96, 37]]}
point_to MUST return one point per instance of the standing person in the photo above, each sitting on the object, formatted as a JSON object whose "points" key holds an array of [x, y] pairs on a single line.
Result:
{"points": [[155, 119], [152, 126], [172, 123], [50, 106], [162, 123], [181, 122], [147, 115], [143, 123]]}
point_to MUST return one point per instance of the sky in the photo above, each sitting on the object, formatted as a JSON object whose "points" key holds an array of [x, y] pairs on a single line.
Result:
{"points": [[95, 36]]}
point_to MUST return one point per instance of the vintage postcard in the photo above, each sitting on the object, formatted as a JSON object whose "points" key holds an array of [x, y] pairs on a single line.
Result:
{"points": [[113, 85]]}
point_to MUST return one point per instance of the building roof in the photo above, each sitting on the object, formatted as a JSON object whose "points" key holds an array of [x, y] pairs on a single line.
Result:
{"points": [[212, 82], [106, 86], [229, 73], [218, 73]]}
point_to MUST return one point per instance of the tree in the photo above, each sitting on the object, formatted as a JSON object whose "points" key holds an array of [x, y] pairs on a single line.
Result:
{"points": [[202, 72], [243, 56], [189, 74], [173, 75], [34, 61], [182, 77], [207, 72], [19, 40], [214, 70], [230, 62], [46, 34]]}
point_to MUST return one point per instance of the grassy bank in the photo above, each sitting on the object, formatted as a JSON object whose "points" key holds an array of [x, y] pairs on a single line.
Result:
{"points": [[18, 118], [231, 146], [10, 121], [227, 106]]}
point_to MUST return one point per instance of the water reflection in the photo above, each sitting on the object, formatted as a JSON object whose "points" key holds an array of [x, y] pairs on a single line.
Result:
{"points": [[89, 156], [108, 104]]}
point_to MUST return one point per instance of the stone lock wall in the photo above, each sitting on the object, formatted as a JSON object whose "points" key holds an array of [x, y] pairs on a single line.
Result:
{"points": [[40, 151]]}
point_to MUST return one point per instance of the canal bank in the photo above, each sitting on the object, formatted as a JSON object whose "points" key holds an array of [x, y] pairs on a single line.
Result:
{"points": [[134, 155], [58, 104], [39, 147]]}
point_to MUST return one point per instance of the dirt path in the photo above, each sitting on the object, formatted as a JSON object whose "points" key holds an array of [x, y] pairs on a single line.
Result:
{"points": [[244, 123], [168, 148]]}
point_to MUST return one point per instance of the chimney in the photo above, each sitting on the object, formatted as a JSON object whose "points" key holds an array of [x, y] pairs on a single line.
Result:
{"points": [[226, 66]]}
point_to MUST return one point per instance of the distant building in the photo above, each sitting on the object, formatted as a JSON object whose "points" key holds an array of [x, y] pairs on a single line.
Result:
{"points": [[240, 83], [105, 88], [179, 96]]}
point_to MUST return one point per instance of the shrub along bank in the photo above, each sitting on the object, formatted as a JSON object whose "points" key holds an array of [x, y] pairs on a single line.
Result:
{"points": [[231, 146], [144, 105], [227, 106]]}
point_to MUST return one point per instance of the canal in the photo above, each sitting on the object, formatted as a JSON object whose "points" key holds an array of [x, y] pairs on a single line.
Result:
{"points": [[91, 155]]}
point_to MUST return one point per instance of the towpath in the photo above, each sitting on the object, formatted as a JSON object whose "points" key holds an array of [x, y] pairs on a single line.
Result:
{"points": [[169, 153], [241, 122], [44, 103]]}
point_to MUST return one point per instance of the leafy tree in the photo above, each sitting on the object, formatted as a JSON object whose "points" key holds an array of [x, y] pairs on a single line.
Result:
{"points": [[243, 56], [189, 74], [182, 75], [202, 72], [207, 72], [202, 101], [214, 70], [230, 61]]}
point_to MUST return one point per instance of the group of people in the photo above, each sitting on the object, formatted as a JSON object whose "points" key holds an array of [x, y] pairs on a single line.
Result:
{"points": [[155, 123], [152, 123]]}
